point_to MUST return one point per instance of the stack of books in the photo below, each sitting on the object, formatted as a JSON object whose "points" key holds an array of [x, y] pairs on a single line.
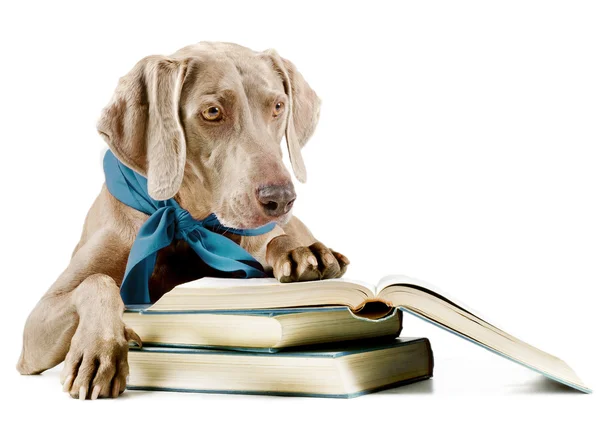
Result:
{"points": [[330, 338]]}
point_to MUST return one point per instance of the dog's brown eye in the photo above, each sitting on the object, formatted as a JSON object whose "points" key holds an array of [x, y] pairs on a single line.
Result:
{"points": [[213, 113], [278, 108]]}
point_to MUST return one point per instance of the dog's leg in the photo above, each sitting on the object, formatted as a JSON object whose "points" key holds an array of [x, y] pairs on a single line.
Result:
{"points": [[295, 255], [79, 320]]}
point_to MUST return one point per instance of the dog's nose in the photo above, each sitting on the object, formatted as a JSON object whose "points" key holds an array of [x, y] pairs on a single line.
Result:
{"points": [[276, 200]]}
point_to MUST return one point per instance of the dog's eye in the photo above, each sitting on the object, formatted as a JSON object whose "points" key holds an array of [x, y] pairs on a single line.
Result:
{"points": [[213, 113], [278, 108]]}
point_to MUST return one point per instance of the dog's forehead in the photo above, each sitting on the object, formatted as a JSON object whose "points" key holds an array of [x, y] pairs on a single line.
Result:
{"points": [[220, 66]]}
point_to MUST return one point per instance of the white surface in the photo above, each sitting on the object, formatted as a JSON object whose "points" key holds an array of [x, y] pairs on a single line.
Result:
{"points": [[458, 144]]}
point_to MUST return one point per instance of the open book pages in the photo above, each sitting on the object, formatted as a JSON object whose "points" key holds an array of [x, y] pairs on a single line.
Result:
{"points": [[268, 293], [437, 309], [414, 296]]}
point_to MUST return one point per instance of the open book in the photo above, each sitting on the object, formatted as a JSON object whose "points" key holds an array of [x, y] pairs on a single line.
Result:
{"points": [[413, 296]]}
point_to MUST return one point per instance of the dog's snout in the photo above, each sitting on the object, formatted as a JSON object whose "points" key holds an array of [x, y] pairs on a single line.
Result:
{"points": [[276, 200]]}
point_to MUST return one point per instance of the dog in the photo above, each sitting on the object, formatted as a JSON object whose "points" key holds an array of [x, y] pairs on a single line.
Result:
{"points": [[204, 126]]}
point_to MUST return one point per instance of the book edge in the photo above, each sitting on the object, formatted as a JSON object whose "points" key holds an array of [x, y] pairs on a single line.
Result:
{"points": [[369, 346], [286, 393]]}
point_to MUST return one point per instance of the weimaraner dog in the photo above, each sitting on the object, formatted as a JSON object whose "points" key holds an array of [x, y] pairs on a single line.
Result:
{"points": [[204, 126]]}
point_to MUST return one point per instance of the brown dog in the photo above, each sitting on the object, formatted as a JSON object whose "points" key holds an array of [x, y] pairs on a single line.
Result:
{"points": [[204, 126]]}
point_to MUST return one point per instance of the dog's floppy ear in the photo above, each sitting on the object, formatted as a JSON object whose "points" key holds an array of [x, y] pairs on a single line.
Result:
{"points": [[303, 112], [142, 127]]}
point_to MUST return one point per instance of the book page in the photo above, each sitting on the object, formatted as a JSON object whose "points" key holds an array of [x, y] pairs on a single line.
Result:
{"points": [[406, 280], [266, 282], [422, 300], [230, 283], [219, 293]]}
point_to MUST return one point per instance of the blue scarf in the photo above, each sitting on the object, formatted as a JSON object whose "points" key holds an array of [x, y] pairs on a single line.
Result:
{"points": [[168, 221]]}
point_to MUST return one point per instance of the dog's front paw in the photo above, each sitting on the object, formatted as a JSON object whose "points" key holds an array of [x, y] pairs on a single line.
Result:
{"points": [[309, 263], [96, 366]]}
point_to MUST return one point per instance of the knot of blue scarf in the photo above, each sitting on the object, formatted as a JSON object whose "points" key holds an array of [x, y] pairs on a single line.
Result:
{"points": [[167, 222]]}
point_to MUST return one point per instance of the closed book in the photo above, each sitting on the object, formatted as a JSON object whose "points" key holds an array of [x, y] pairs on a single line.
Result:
{"points": [[344, 371], [268, 330]]}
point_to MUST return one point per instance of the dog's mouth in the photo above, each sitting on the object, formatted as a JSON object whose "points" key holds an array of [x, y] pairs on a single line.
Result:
{"points": [[250, 222], [242, 214]]}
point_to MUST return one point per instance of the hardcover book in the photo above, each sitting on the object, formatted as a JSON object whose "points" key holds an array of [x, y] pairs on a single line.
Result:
{"points": [[326, 371], [268, 329]]}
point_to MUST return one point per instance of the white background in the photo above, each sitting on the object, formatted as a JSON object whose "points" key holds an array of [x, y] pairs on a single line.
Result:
{"points": [[458, 143]]}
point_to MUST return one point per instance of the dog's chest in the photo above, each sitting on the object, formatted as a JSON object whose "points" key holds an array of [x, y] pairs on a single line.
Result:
{"points": [[176, 264]]}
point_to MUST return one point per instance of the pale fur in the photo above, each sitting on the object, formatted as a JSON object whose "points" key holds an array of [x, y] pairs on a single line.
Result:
{"points": [[152, 125]]}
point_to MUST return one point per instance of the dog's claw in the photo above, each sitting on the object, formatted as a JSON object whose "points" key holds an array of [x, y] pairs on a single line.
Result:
{"points": [[286, 270], [341, 258], [68, 383], [82, 393], [96, 392], [328, 259], [116, 388], [132, 336]]}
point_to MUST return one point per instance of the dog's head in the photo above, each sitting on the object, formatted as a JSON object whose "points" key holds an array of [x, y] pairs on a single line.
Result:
{"points": [[205, 125]]}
